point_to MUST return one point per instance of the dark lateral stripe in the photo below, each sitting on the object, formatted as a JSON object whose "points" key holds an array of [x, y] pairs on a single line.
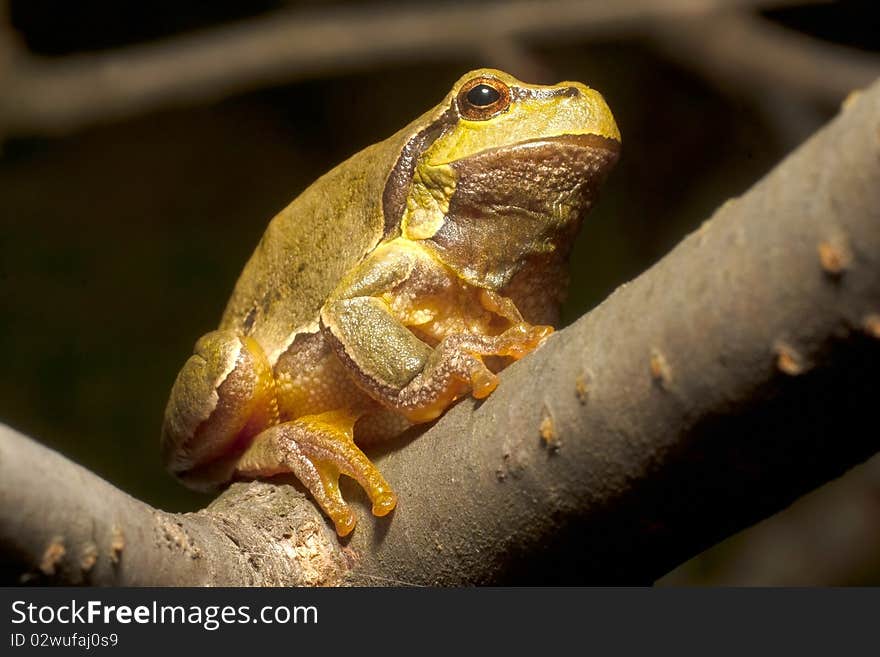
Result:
{"points": [[524, 93], [399, 180]]}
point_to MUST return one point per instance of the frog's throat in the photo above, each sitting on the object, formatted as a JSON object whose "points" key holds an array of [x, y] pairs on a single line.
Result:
{"points": [[514, 202]]}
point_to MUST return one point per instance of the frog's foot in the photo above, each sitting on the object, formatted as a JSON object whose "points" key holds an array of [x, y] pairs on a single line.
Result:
{"points": [[521, 339], [317, 449], [457, 365]]}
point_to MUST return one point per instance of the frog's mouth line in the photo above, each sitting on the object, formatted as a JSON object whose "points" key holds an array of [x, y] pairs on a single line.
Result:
{"points": [[563, 151], [591, 141], [568, 141]]}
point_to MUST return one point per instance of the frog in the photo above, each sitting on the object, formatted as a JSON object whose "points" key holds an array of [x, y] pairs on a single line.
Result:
{"points": [[401, 281]]}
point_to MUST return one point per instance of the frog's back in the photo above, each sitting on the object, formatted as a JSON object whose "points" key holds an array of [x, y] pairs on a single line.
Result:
{"points": [[307, 248], [317, 239]]}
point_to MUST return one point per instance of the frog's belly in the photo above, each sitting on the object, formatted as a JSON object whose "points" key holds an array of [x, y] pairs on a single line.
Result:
{"points": [[310, 380]]}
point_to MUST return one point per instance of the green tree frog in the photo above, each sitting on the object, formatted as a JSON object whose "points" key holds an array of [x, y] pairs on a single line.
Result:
{"points": [[400, 281]]}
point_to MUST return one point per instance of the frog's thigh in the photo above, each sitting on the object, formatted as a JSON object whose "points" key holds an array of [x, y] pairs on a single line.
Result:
{"points": [[371, 342], [403, 373], [391, 364], [317, 449], [224, 394]]}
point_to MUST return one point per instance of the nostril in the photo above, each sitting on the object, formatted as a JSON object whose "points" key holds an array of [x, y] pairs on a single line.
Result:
{"points": [[572, 92]]}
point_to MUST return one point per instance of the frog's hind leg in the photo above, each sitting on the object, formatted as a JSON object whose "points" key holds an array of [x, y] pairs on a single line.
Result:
{"points": [[223, 396], [317, 449]]}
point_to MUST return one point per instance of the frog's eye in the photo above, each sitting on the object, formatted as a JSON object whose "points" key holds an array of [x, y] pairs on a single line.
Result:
{"points": [[482, 98]]}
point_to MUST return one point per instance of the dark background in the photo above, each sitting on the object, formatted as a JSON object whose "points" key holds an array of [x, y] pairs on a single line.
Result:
{"points": [[120, 240]]}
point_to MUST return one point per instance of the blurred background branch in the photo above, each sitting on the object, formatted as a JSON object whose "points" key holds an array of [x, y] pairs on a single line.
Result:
{"points": [[720, 39], [742, 50]]}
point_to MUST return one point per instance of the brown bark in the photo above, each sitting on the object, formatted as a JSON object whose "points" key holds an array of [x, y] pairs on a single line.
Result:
{"points": [[733, 376]]}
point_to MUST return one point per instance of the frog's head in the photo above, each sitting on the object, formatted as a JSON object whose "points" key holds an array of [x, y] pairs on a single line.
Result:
{"points": [[502, 171]]}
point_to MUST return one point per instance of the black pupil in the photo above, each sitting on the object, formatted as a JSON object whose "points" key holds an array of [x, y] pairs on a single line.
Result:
{"points": [[482, 95]]}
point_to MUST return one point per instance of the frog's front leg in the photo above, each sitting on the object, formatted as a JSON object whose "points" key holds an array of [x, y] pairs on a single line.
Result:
{"points": [[222, 420], [398, 369]]}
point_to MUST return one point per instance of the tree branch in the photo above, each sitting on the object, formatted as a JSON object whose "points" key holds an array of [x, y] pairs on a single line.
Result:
{"points": [[60, 523], [730, 378]]}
